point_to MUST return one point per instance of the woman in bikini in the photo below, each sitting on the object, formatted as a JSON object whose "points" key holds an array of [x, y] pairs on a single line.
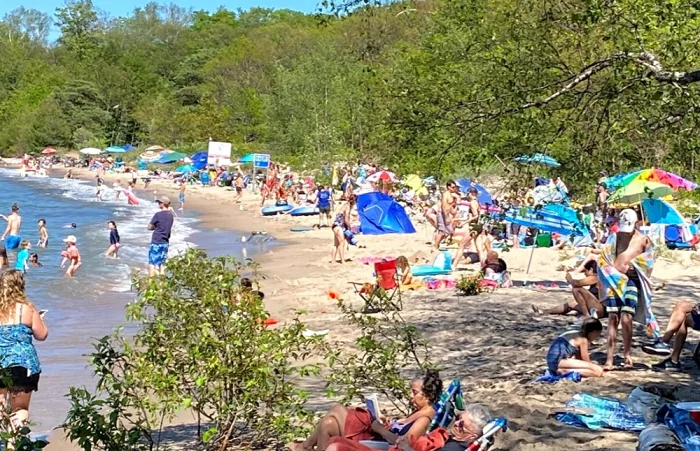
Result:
{"points": [[340, 225]]}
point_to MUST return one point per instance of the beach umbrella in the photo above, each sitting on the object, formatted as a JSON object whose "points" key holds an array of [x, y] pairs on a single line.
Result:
{"points": [[48, 151], [658, 211], [669, 179], [247, 158], [538, 158], [185, 168], [415, 183], [638, 190], [552, 218], [199, 160], [170, 157], [482, 195], [154, 148], [149, 156], [384, 176], [91, 151], [115, 149]]}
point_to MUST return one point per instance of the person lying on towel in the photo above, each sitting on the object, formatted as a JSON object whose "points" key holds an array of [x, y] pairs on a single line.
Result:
{"points": [[356, 424], [466, 428]]}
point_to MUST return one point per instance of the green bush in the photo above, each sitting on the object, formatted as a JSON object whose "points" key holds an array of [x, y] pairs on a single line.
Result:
{"points": [[469, 285], [386, 350], [201, 345]]}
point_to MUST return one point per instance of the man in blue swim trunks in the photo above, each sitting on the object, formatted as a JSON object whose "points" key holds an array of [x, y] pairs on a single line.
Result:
{"points": [[14, 224], [161, 224]]}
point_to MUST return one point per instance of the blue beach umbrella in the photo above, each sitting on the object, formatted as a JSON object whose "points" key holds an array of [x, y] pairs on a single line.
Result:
{"points": [[185, 168], [115, 149], [482, 196], [199, 160], [658, 211], [247, 158], [538, 158]]}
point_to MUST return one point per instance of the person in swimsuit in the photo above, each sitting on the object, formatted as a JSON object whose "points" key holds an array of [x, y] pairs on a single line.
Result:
{"points": [[4, 261], [161, 224], [14, 224], [43, 234], [629, 244], [114, 240], [100, 188], [585, 293], [685, 315], [445, 216], [479, 242], [570, 353], [71, 254], [19, 364], [181, 196], [34, 260], [340, 225], [239, 187], [356, 424], [23, 256]]}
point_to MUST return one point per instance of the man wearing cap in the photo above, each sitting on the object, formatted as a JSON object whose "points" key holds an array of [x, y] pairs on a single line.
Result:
{"points": [[624, 267], [161, 224]]}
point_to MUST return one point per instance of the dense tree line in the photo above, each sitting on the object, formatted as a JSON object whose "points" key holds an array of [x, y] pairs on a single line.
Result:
{"points": [[434, 86]]}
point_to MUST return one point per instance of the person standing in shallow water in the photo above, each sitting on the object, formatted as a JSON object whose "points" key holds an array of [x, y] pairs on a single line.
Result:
{"points": [[19, 364], [161, 224], [14, 224]]}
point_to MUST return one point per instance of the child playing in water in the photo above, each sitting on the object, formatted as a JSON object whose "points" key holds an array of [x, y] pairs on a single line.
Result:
{"points": [[114, 240], [23, 256], [71, 254], [43, 234], [34, 260], [182, 195], [569, 351]]}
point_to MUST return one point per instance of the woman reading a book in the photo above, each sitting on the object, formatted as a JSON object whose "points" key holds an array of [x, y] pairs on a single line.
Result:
{"points": [[359, 423]]}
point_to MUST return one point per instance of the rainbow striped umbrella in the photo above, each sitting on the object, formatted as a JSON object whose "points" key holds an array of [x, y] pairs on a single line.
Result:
{"points": [[675, 182]]}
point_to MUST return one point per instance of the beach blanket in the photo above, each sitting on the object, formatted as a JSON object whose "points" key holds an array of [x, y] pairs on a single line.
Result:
{"points": [[608, 413], [549, 378], [613, 281], [680, 422]]}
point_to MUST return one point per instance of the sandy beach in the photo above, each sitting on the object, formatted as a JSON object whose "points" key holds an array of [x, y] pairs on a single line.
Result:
{"points": [[493, 342]]}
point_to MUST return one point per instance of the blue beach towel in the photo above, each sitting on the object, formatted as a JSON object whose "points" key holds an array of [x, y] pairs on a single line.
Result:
{"points": [[608, 413], [549, 378]]}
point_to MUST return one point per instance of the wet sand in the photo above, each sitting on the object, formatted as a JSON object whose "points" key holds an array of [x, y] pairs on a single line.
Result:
{"points": [[492, 342]]}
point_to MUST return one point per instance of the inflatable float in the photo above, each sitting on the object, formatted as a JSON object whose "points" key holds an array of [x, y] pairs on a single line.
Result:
{"points": [[441, 265], [275, 209], [305, 210], [133, 200]]}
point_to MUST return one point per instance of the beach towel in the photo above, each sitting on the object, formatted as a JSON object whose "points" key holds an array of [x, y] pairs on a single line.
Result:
{"points": [[681, 423], [549, 378], [614, 282], [608, 413], [358, 425]]}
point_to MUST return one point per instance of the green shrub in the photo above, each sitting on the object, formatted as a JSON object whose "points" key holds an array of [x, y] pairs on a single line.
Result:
{"points": [[469, 285], [201, 345], [387, 348]]}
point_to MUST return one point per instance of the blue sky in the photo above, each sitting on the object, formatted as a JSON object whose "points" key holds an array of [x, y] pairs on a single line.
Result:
{"points": [[124, 7]]}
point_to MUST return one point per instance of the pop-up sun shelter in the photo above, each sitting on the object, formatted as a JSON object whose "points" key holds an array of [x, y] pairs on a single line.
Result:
{"points": [[380, 214]]}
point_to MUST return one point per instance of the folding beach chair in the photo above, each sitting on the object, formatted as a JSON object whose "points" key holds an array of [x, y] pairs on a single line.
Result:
{"points": [[383, 292]]}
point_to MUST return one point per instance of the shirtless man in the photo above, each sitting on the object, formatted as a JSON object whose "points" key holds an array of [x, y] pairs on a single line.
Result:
{"points": [[14, 224], [630, 244], [446, 214]]}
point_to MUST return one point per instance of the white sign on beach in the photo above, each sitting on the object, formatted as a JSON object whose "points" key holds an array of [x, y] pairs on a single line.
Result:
{"points": [[219, 154]]}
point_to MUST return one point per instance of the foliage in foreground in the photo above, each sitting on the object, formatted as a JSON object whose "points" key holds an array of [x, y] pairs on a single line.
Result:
{"points": [[469, 285], [201, 345], [386, 349]]}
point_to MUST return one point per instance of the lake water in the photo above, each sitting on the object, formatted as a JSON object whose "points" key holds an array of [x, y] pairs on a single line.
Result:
{"points": [[91, 304]]}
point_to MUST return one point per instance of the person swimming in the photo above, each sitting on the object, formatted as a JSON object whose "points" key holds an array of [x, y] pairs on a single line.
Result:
{"points": [[71, 226], [34, 260]]}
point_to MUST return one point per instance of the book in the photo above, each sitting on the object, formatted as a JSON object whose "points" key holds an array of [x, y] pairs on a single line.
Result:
{"points": [[372, 405]]}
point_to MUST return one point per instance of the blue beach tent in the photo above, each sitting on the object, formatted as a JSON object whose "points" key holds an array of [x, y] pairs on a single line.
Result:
{"points": [[380, 214], [658, 211]]}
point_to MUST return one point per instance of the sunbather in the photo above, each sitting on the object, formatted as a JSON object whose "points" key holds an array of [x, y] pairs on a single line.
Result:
{"points": [[569, 351], [356, 423], [685, 314], [585, 292], [466, 428], [474, 247]]}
